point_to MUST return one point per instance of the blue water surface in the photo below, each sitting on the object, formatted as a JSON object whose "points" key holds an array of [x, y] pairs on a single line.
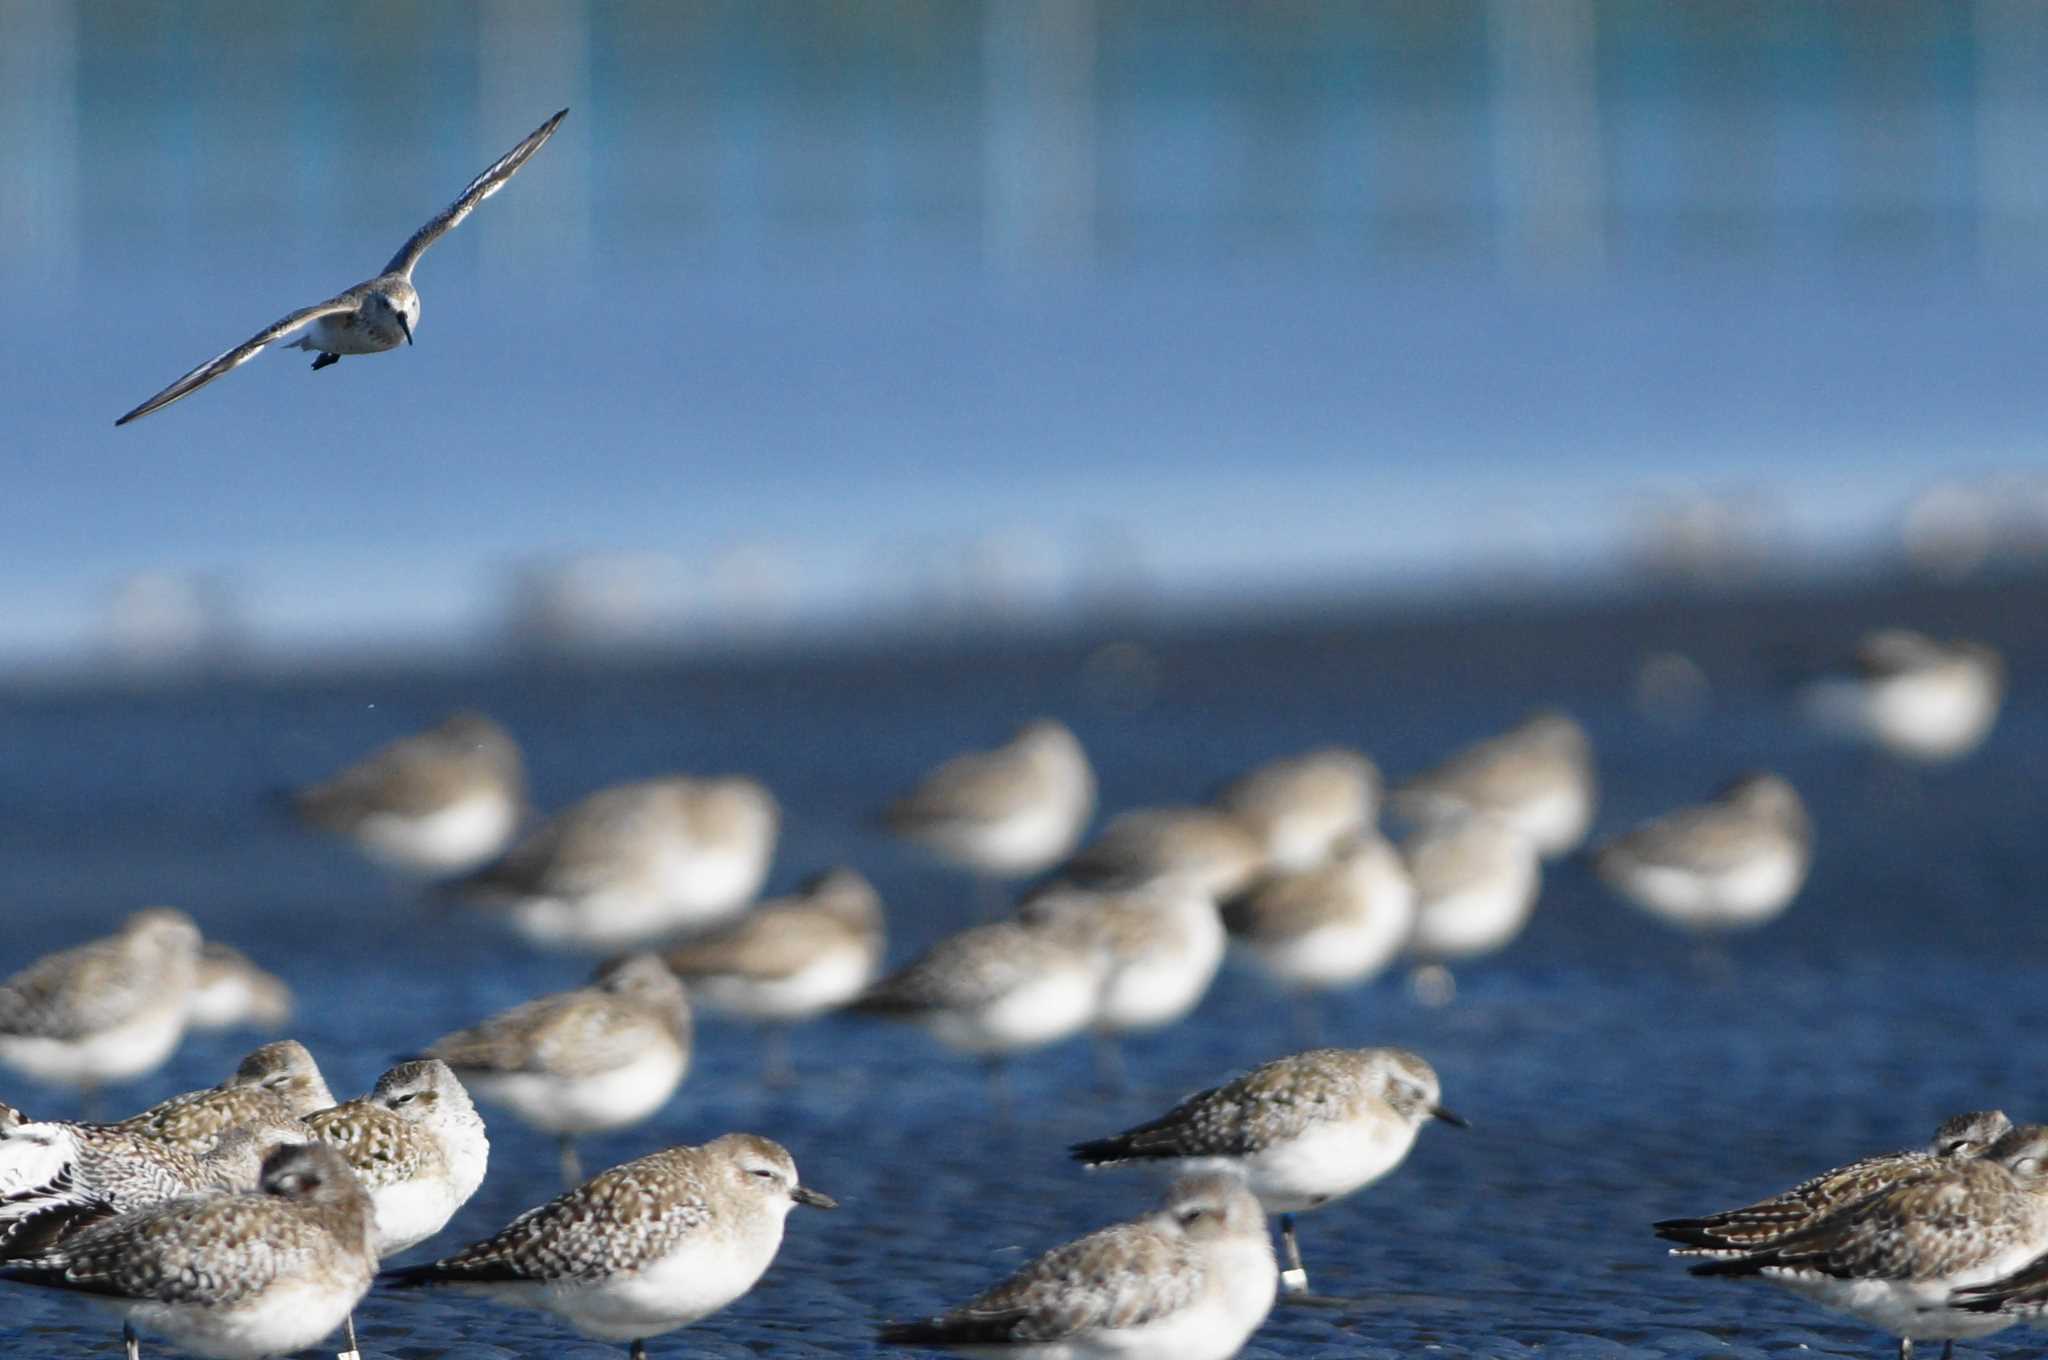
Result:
{"points": [[1612, 1076]]}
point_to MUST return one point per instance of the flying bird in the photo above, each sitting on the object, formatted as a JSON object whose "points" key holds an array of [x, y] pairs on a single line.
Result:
{"points": [[373, 316]]}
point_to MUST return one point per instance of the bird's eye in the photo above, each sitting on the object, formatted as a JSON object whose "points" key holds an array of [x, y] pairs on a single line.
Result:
{"points": [[763, 1172], [1188, 1216], [406, 1099]]}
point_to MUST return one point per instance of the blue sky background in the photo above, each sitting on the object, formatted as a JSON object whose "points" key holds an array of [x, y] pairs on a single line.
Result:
{"points": [[838, 311]]}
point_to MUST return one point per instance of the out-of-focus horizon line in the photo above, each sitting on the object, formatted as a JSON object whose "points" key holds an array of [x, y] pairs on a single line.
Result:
{"points": [[753, 598]]}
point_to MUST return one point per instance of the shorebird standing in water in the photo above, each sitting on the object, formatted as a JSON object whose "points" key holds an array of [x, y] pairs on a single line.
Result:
{"points": [[373, 316]]}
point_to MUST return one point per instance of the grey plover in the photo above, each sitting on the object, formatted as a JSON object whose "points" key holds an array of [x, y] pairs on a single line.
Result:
{"points": [[1304, 1130], [997, 989], [438, 802], [1735, 861], [600, 1057], [643, 1248], [1918, 697], [1476, 882], [1734, 1231], [1332, 925], [1537, 777], [789, 960], [233, 992], [56, 1177], [1304, 806], [1214, 850], [234, 1277], [106, 1011], [633, 865], [1190, 1281], [417, 1146], [1893, 1258], [274, 1088], [375, 315], [1005, 813]]}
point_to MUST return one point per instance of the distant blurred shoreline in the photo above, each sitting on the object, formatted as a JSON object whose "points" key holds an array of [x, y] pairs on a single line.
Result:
{"points": [[1592, 641]]}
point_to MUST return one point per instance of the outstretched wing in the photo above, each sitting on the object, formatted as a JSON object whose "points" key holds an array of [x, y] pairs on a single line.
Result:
{"points": [[480, 188], [241, 354]]}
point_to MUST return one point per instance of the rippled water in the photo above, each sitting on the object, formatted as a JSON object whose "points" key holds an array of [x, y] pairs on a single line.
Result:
{"points": [[1611, 1075]]}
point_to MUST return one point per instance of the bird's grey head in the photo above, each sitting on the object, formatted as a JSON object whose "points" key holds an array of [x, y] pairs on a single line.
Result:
{"points": [[165, 930], [312, 1173], [1410, 1085], [236, 1161], [393, 302], [1214, 1204], [1967, 1135], [286, 1069], [763, 1169], [2023, 1150], [422, 1091], [1760, 793], [645, 978]]}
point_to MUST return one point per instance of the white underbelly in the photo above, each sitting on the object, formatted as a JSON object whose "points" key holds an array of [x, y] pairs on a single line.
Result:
{"points": [[674, 1291], [1325, 1163], [1748, 893], [410, 1212], [1043, 1011], [448, 841], [330, 336], [825, 985], [131, 1049], [1554, 820], [289, 1316], [588, 1104], [1477, 918], [1157, 989]]}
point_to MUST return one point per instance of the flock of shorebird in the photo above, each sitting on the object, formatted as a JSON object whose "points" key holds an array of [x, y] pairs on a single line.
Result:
{"points": [[250, 1218]]}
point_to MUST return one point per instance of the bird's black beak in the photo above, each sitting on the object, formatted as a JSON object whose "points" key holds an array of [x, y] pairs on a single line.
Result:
{"points": [[1454, 1121], [803, 1194], [405, 326]]}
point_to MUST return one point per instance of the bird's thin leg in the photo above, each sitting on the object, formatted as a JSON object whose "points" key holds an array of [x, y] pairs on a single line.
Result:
{"points": [[354, 1352], [999, 1086], [639, 1351], [131, 1342], [324, 360], [1905, 1348], [1294, 1279], [777, 1071], [1110, 1072], [572, 1165], [1308, 1019]]}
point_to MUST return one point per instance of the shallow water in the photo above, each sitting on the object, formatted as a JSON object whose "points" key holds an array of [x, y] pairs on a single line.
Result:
{"points": [[1612, 1075]]}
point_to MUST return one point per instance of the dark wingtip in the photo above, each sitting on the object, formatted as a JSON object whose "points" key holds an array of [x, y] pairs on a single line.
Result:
{"points": [[910, 1333], [1736, 1265], [406, 1277], [1096, 1151]]}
